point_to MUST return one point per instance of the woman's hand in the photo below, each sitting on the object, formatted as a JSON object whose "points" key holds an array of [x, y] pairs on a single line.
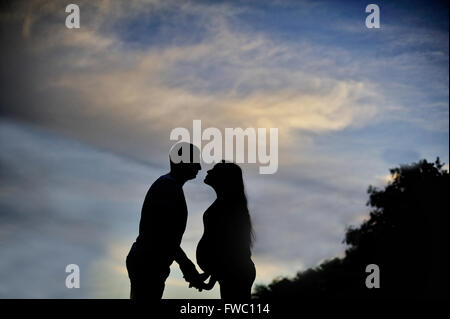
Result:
{"points": [[210, 284]]}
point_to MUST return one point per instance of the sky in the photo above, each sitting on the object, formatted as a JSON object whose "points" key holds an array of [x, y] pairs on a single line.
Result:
{"points": [[86, 115]]}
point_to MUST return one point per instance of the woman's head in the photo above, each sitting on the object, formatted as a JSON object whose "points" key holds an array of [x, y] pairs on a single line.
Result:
{"points": [[226, 179]]}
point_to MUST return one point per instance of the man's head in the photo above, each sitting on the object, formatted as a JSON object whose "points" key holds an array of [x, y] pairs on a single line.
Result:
{"points": [[184, 160]]}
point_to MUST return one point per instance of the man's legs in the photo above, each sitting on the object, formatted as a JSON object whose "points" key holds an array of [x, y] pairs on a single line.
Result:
{"points": [[147, 281], [148, 286]]}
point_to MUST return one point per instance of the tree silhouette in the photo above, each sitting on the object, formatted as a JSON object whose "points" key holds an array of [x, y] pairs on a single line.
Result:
{"points": [[406, 235]]}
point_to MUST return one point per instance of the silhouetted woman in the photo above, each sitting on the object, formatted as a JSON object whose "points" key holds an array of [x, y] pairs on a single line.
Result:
{"points": [[224, 251]]}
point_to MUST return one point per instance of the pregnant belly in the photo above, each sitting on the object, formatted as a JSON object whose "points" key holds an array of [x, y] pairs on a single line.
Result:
{"points": [[207, 255]]}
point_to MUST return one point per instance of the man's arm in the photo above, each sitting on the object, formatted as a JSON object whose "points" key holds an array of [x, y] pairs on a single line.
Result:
{"points": [[190, 273]]}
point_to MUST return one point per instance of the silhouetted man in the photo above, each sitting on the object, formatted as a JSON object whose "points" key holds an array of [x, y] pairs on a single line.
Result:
{"points": [[163, 222]]}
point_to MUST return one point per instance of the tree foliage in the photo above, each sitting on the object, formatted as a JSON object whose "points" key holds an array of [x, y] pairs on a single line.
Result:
{"points": [[406, 235]]}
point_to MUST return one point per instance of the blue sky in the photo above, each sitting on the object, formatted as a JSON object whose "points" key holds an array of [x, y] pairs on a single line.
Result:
{"points": [[86, 116]]}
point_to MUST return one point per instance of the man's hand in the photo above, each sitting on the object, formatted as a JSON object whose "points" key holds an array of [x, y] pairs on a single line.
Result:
{"points": [[189, 271]]}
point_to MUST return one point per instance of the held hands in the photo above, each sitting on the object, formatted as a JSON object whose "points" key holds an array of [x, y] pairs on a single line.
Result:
{"points": [[198, 281], [194, 278], [200, 284]]}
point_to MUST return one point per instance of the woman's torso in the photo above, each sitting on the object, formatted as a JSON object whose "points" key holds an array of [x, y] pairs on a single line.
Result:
{"points": [[224, 246]]}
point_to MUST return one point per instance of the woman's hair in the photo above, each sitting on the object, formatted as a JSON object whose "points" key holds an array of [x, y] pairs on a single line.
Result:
{"points": [[233, 190]]}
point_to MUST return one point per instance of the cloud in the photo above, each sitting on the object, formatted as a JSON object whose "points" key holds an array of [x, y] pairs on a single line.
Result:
{"points": [[101, 88], [400, 156], [61, 202], [115, 95]]}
